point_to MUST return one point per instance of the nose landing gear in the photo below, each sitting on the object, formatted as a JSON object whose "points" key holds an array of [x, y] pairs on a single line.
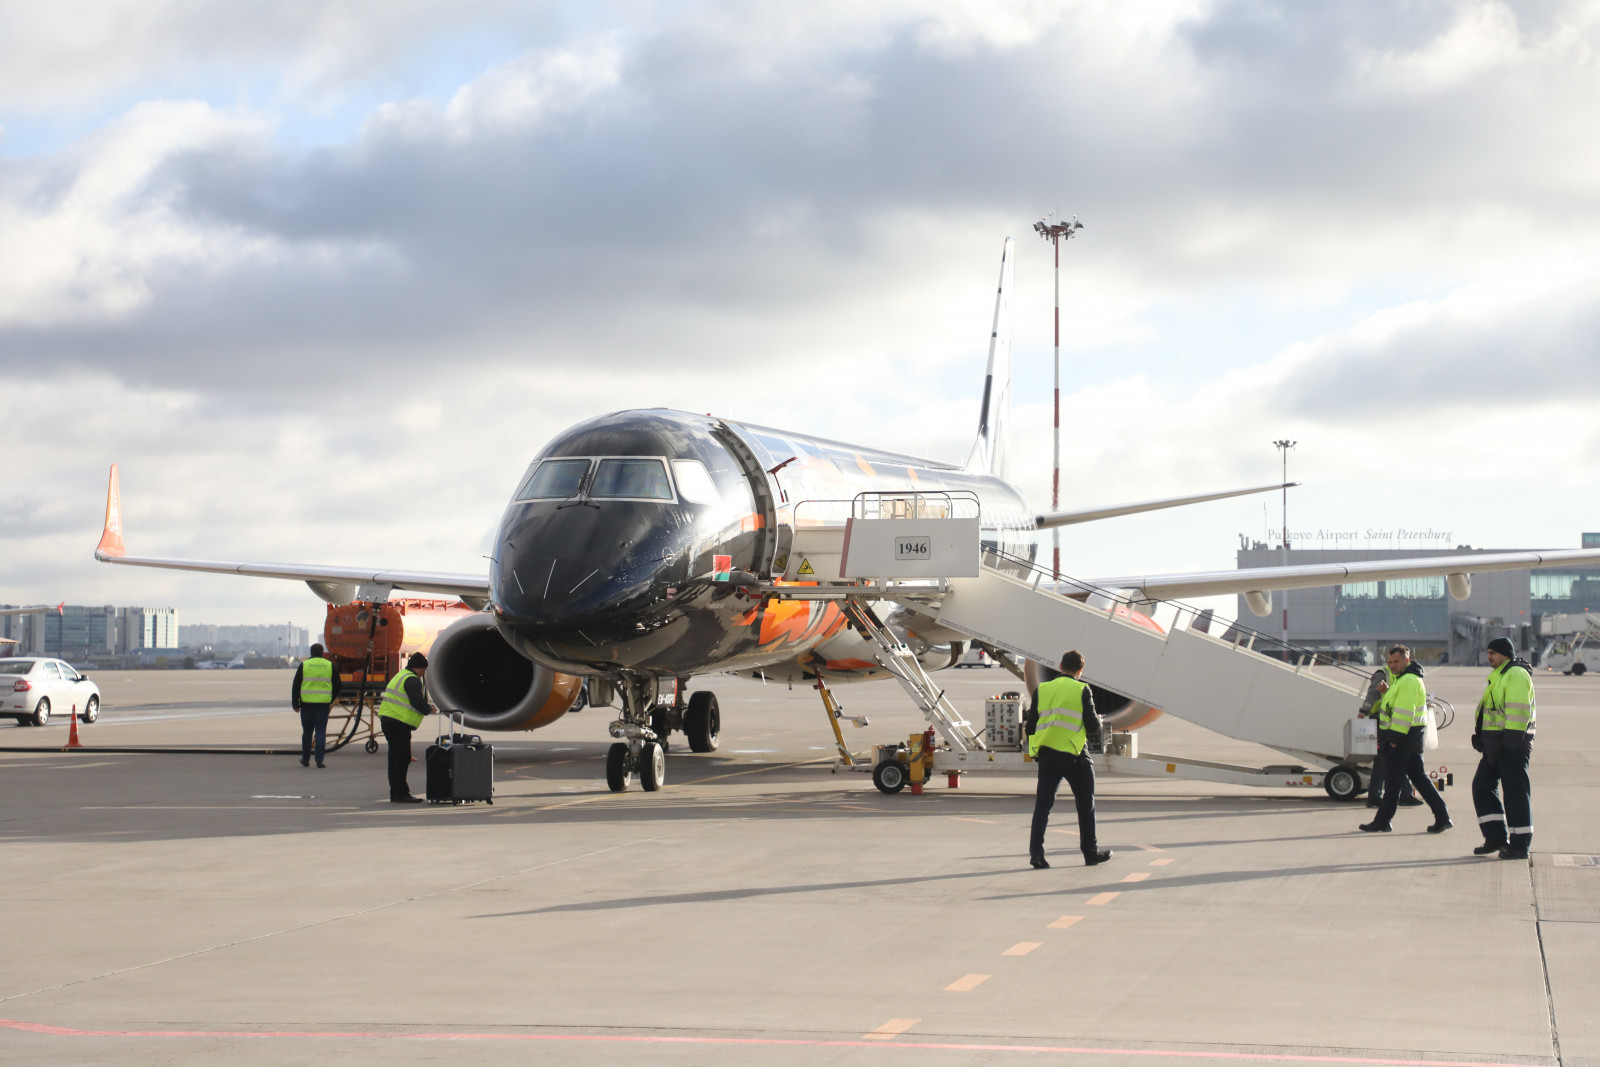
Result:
{"points": [[644, 726], [640, 749]]}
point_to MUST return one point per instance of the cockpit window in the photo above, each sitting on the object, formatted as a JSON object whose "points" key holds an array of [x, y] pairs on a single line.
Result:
{"points": [[556, 479], [636, 479], [694, 482]]}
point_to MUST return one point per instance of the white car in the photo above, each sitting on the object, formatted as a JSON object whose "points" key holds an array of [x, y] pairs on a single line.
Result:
{"points": [[31, 690]]}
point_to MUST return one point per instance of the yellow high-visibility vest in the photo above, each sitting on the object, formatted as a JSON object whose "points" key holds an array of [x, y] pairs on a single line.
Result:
{"points": [[396, 705], [316, 681], [1060, 717]]}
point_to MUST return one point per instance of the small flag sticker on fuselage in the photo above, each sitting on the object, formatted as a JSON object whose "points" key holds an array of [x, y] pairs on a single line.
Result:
{"points": [[721, 568]]}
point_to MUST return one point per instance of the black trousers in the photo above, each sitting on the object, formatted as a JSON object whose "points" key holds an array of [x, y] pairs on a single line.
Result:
{"points": [[313, 729], [398, 734], [1503, 769], [1375, 787], [1078, 772], [1399, 767]]}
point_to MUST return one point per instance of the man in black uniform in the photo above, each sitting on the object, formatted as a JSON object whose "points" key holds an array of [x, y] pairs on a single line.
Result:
{"points": [[316, 686], [405, 702], [1063, 728]]}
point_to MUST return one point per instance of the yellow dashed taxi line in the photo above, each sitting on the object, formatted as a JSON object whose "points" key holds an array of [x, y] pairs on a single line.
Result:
{"points": [[890, 1029]]}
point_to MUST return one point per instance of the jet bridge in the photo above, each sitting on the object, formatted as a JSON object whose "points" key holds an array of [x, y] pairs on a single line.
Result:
{"points": [[1009, 604]]}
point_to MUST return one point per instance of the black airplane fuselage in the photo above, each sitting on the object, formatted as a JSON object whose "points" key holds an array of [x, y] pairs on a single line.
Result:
{"points": [[634, 540]]}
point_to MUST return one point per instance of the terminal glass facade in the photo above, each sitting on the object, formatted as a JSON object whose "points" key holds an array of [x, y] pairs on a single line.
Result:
{"points": [[1554, 592], [1401, 606]]}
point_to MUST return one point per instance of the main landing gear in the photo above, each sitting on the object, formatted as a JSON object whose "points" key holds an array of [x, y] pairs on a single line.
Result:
{"points": [[644, 727]]}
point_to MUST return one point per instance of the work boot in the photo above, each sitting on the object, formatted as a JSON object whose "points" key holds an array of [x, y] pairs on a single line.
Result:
{"points": [[321, 764], [1411, 801], [1374, 802], [405, 800], [1509, 853], [305, 763], [1038, 863], [1488, 848], [1097, 857], [1440, 825], [1373, 828]]}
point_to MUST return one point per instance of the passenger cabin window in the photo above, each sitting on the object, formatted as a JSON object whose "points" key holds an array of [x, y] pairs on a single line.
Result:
{"points": [[694, 482], [16, 666], [48, 669], [556, 479], [631, 479]]}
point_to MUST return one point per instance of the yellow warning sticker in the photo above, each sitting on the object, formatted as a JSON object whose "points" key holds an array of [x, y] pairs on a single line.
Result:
{"points": [[805, 567]]}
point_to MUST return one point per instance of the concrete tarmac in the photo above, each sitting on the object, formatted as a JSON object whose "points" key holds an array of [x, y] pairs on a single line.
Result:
{"points": [[178, 908]]}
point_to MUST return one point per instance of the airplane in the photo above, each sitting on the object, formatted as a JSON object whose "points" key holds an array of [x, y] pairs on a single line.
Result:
{"points": [[640, 549]]}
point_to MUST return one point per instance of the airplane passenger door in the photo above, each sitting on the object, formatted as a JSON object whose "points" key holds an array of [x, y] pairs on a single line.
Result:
{"points": [[761, 488]]}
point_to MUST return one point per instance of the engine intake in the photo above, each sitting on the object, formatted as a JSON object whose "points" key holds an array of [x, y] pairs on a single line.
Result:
{"points": [[471, 669]]}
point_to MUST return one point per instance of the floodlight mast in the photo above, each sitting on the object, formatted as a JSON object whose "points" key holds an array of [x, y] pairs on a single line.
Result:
{"points": [[1055, 233], [1283, 445]]}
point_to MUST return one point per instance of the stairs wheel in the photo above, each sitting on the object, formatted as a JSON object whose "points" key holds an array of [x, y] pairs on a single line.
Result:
{"points": [[889, 776], [1342, 782]]}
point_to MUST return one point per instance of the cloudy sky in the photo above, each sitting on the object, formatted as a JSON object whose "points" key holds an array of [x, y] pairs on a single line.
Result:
{"points": [[322, 276]]}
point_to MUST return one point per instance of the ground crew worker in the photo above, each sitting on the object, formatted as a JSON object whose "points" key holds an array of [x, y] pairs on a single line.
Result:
{"points": [[1504, 735], [1062, 725], [1402, 726], [405, 702], [316, 687], [1376, 687]]}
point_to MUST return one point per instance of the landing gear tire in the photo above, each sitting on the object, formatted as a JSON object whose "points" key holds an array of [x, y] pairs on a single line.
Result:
{"points": [[652, 766], [702, 722], [1342, 782], [41, 711], [1578, 669], [91, 710], [617, 767], [658, 726], [889, 776], [372, 745]]}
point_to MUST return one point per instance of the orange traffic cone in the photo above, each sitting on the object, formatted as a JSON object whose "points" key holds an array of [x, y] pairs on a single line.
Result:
{"points": [[72, 738]]}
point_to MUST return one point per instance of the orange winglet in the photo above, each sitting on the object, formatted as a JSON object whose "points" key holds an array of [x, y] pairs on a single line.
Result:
{"points": [[110, 546]]}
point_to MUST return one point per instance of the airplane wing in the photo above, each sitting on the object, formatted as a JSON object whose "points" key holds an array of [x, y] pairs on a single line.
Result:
{"points": [[1070, 518], [470, 587], [1264, 579]]}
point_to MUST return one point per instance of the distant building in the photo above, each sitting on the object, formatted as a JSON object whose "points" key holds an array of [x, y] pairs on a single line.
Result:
{"points": [[1418, 611], [283, 639], [79, 633], [140, 628]]}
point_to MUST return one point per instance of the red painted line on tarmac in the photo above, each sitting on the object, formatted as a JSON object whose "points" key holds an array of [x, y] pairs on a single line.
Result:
{"points": [[668, 1039]]}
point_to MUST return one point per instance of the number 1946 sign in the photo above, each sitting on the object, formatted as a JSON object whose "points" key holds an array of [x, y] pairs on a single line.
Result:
{"points": [[913, 548]]}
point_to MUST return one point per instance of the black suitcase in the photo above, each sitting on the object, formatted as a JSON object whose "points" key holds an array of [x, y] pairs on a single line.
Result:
{"points": [[459, 771]]}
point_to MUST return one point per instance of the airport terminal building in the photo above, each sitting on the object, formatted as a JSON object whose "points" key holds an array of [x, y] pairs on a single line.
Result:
{"points": [[1418, 611]]}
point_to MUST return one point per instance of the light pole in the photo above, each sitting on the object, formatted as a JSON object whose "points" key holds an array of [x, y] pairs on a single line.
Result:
{"points": [[1055, 233], [1283, 445]]}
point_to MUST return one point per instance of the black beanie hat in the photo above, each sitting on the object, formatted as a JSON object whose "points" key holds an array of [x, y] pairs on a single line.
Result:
{"points": [[1503, 646], [417, 662]]}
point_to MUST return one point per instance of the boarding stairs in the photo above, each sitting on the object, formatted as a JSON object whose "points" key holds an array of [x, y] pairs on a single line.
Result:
{"points": [[1221, 685], [1283, 702]]}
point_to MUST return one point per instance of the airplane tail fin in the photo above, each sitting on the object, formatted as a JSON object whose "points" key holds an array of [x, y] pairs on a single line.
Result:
{"points": [[994, 416], [110, 546]]}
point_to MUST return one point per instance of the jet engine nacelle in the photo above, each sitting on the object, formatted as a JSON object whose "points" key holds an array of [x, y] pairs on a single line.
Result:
{"points": [[471, 669], [1116, 711]]}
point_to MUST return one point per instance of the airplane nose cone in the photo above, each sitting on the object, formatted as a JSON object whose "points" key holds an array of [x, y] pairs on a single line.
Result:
{"points": [[580, 566]]}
